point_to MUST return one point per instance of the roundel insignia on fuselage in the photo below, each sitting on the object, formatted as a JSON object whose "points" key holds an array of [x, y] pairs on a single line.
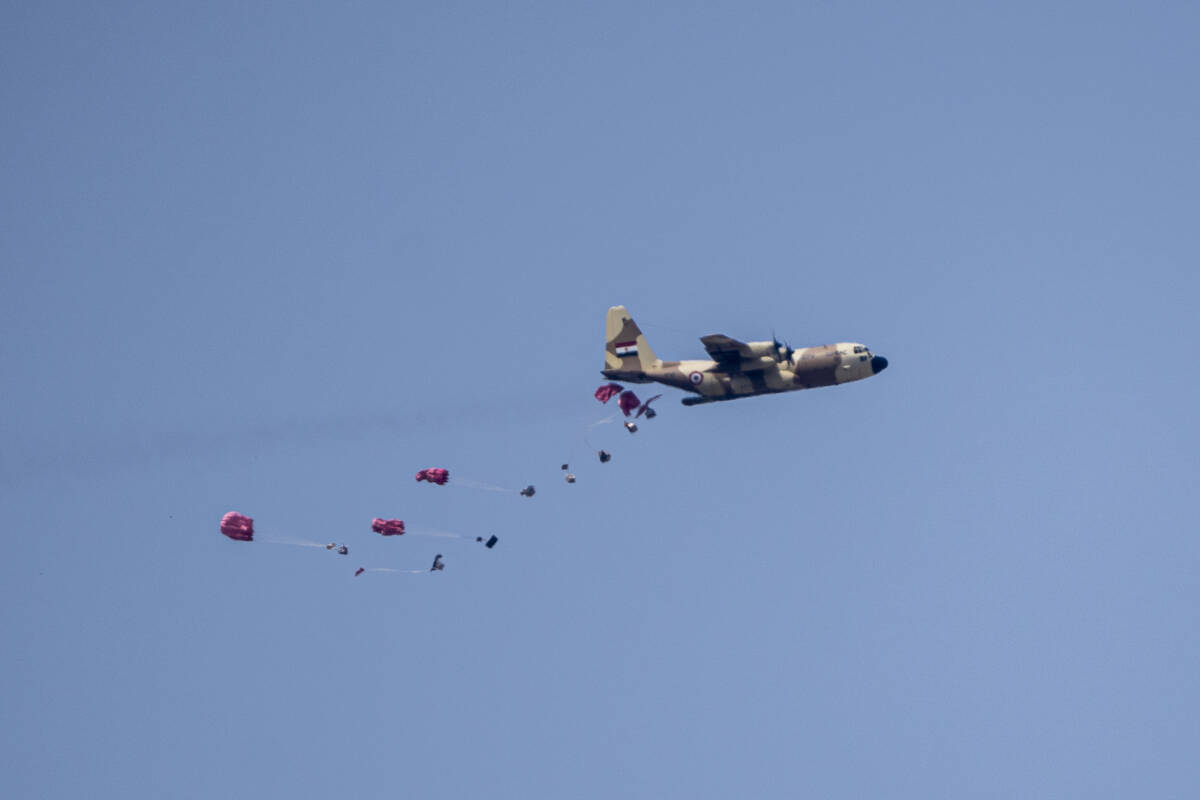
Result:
{"points": [[696, 378]]}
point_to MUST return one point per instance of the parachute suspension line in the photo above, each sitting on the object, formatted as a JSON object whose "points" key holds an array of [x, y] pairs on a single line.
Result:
{"points": [[293, 542], [396, 571], [435, 534]]}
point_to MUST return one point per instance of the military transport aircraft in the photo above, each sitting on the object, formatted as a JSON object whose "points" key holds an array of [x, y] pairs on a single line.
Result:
{"points": [[737, 369]]}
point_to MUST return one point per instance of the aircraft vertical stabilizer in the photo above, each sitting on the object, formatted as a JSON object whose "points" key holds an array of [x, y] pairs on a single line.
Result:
{"points": [[626, 350]]}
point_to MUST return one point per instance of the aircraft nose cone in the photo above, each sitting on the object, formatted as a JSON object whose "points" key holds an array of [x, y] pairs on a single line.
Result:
{"points": [[878, 364]]}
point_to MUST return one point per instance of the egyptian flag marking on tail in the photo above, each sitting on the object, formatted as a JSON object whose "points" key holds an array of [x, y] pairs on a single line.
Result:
{"points": [[624, 349]]}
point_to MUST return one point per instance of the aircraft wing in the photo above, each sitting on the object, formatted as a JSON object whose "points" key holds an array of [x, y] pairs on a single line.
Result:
{"points": [[725, 351]]}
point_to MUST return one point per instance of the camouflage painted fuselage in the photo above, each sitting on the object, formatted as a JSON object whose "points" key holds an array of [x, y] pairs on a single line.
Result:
{"points": [[737, 369]]}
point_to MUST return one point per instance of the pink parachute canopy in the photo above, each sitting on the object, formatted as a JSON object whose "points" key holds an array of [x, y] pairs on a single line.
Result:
{"points": [[607, 392], [238, 527], [628, 401], [388, 527], [434, 475]]}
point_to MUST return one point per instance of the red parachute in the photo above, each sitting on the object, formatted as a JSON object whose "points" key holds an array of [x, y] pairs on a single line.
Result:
{"points": [[238, 527], [434, 475], [388, 527], [607, 392], [628, 402]]}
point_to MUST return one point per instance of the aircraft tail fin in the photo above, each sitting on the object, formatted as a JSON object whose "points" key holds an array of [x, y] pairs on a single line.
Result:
{"points": [[627, 354]]}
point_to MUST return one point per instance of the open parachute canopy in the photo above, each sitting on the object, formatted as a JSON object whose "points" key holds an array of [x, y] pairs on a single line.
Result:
{"points": [[434, 475], [388, 527], [238, 527], [628, 402], [607, 392]]}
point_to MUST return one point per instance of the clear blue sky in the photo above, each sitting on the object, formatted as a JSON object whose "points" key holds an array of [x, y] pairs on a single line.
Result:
{"points": [[277, 257]]}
